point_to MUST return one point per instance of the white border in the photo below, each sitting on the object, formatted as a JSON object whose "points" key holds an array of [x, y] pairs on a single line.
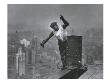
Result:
{"points": [[3, 33], [54, 1]]}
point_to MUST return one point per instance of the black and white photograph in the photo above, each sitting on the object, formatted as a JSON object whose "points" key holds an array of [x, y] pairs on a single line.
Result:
{"points": [[55, 41]]}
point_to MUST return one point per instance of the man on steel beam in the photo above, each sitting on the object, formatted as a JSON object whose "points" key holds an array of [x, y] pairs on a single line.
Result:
{"points": [[61, 35]]}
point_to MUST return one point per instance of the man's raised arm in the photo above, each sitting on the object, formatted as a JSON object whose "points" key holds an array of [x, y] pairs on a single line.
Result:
{"points": [[64, 21]]}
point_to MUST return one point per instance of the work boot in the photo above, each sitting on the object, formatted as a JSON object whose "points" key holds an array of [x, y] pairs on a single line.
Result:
{"points": [[63, 68]]}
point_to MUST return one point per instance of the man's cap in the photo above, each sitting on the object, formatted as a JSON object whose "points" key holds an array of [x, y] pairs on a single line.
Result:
{"points": [[53, 24]]}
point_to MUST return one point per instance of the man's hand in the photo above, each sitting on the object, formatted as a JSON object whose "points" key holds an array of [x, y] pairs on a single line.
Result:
{"points": [[61, 17], [64, 21], [42, 45]]}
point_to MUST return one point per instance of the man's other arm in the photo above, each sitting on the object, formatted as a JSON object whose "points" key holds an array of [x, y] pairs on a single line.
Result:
{"points": [[44, 41], [64, 21]]}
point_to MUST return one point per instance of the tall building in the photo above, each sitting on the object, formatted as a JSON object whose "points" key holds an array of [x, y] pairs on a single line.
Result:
{"points": [[20, 62], [74, 51], [31, 51]]}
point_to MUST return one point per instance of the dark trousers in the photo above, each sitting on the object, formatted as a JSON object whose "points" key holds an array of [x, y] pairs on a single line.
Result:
{"points": [[62, 48]]}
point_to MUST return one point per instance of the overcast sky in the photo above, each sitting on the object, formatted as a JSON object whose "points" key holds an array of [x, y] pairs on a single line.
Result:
{"points": [[38, 17]]}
